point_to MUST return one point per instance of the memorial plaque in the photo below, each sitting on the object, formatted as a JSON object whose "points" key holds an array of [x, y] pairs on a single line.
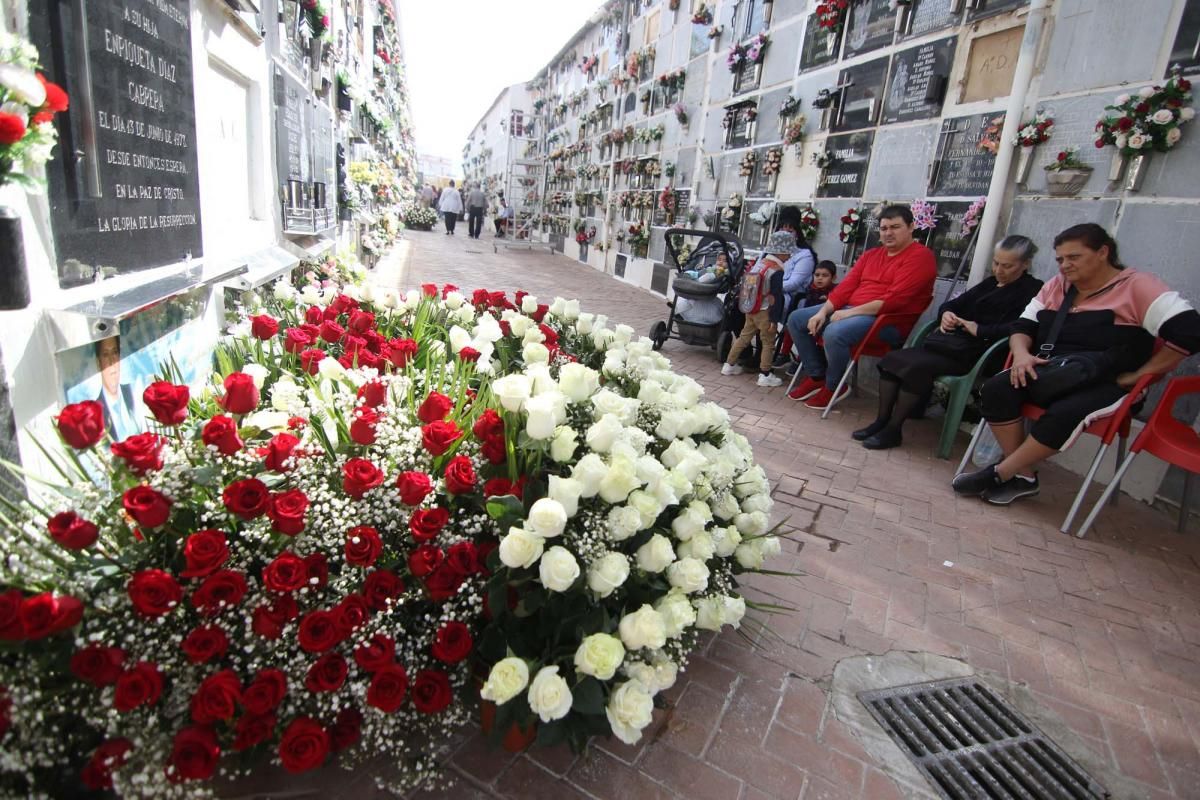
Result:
{"points": [[988, 8], [293, 157], [861, 100], [129, 197], [846, 177], [820, 46], [962, 167], [870, 25], [927, 16], [917, 85]]}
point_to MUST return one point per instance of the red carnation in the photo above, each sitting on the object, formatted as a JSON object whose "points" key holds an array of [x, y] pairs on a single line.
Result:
{"points": [[363, 546], [452, 643], [241, 394], [296, 340], [310, 359], [438, 437], [327, 674], [253, 729], [81, 425], [204, 644], [153, 592], [375, 654], [401, 351], [373, 393], [140, 685], [380, 586], [97, 664], [346, 729], [141, 452], [319, 631], [359, 476], [194, 755], [460, 475], [287, 511], [435, 407], [221, 432], [204, 551], [247, 498], [414, 487], [216, 698], [424, 560], [167, 402], [263, 326], [362, 429], [222, 590], [265, 692], [148, 507], [278, 451], [387, 689], [287, 572], [72, 531], [427, 523], [304, 745], [109, 756], [431, 691]]}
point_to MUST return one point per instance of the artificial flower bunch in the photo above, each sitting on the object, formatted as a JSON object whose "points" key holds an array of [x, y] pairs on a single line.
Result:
{"points": [[851, 225], [1147, 120], [28, 103], [420, 218], [1036, 130]]}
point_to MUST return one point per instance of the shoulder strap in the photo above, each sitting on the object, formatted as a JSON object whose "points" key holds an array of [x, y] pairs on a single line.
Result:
{"points": [[1060, 317]]}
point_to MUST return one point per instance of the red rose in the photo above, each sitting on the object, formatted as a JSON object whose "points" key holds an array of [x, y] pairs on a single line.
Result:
{"points": [[469, 354], [489, 425], [278, 451], [372, 393], [247, 498], [346, 729], [253, 729], [439, 437], [194, 755], [494, 451], [359, 476], [362, 429], [319, 631], [153, 592], [140, 685], [81, 425], [327, 674], [460, 475], [221, 432], [205, 551], [268, 620], [414, 487], [331, 331], [401, 351], [141, 452], [304, 745], [361, 321], [435, 407], [56, 98], [443, 583], [265, 692], [375, 654], [287, 511], [216, 698], [463, 558], [167, 402], [263, 327], [72, 531], [452, 643], [363, 546], [387, 689], [147, 506], [351, 614], [204, 644], [296, 340], [380, 586], [222, 590], [318, 569], [427, 523], [287, 572], [97, 664], [109, 756], [431, 691], [424, 560], [241, 394]]}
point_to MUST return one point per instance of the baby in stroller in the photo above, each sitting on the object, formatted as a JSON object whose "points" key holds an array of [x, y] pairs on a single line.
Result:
{"points": [[760, 298]]}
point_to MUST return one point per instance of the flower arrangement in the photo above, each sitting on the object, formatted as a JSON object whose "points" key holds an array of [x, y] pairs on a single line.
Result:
{"points": [[715, 31], [825, 159], [28, 103], [702, 15], [681, 113], [851, 225], [419, 218], [924, 215], [972, 216], [1067, 158], [666, 199], [773, 161], [757, 50], [746, 167], [810, 221], [831, 14], [793, 134], [790, 106], [1035, 131], [989, 139], [1147, 120]]}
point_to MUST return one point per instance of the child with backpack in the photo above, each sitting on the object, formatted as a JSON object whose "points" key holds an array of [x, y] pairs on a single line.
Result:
{"points": [[760, 298]]}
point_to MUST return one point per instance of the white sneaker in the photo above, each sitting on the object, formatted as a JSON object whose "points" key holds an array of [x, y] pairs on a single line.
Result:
{"points": [[731, 369], [770, 379]]}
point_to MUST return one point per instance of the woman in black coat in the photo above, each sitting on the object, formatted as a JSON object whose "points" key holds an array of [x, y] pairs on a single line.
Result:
{"points": [[968, 325]]}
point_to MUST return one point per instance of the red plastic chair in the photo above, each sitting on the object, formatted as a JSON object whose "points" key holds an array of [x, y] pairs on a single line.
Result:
{"points": [[1113, 426], [1165, 438]]}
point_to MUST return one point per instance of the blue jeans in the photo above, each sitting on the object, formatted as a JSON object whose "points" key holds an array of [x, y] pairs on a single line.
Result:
{"points": [[840, 338]]}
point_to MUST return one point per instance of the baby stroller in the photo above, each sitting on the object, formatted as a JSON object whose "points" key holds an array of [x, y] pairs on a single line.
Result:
{"points": [[699, 315]]}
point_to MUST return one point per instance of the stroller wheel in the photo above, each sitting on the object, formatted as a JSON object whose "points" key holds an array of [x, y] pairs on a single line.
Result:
{"points": [[724, 343], [658, 334]]}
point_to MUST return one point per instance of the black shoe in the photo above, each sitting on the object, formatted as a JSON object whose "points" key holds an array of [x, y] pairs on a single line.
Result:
{"points": [[884, 440], [862, 434], [974, 484], [1014, 488]]}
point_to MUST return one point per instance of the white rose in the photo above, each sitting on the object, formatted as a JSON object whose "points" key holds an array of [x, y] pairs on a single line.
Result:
{"points": [[453, 300], [623, 522], [578, 382], [549, 696], [655, 554], [749, 556], [1163, 116], [643, 628], [558, 569], [648, 506], [688, 575], [629, 711], [709, 613], [459, 338], [700, 546], [520, 548], [1146, 92], [584, 324], [599, 655], [535, 353], [607, 573], [547, 518], [564, 444], [508, 678], [566, 491], [513, 390], [601, 435], [725, 541], [529, 304], [589, 471], [620, 480], [677, 613], [570, 310], [545, 412]]}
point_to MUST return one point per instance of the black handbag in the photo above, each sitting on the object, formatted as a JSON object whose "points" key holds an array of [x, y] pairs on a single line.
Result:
{"points": [[1066, 374]]}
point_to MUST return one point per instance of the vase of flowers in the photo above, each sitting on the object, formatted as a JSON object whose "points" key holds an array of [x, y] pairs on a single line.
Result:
{"points": [[1029, 136], [1144, 122], [1066, 175]]}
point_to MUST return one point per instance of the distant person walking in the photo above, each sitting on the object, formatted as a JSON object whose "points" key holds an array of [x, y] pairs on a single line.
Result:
{"points": [[476, 207], [427, 196], [451, 205]]}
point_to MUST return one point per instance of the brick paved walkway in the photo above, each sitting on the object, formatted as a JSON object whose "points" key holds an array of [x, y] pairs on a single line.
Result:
{"points": [[1105, 631]]}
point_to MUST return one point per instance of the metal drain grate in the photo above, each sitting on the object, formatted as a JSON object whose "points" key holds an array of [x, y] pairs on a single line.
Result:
{"points": [[971, 744]]}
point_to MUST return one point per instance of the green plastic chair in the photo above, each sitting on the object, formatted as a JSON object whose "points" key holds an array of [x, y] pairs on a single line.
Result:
{"points": [[958, 386]]}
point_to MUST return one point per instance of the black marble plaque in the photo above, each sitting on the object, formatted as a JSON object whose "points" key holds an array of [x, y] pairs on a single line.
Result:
{"points": [[870, 25], [947, 240], [961, 166], [124, 186], [847, 177], [987, 8], [820, 46], [918, 81], [927, 16], [861, 101]]}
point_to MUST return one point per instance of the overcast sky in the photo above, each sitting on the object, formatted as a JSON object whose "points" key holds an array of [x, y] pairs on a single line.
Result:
{"points": [[461, 53]]}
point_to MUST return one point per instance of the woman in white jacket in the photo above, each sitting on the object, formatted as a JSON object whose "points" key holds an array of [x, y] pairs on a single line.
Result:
{"points": [[450, 206]]}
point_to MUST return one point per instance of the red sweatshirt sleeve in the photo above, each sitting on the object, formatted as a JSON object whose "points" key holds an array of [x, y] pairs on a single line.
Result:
{"points": [[841, 294], [913, 288]]}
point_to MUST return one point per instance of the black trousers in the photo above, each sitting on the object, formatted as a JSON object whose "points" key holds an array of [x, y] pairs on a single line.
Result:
{"points": [[451, 219], [474, 222]]}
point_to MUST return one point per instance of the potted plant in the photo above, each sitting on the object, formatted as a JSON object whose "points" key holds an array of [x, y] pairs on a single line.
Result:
{"points": [[1066, 174]]}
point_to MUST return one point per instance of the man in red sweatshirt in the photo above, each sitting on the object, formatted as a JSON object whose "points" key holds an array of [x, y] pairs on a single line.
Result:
{"points": [[896, 278]]}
